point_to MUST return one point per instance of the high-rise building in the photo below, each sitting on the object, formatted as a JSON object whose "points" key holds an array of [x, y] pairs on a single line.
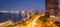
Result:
{"points": [[51, 7]]}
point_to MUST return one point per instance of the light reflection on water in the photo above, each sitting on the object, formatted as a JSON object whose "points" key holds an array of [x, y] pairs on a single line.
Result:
{"points": [[7, 16]]}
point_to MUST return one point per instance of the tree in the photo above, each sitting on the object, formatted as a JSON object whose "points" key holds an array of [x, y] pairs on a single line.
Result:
{"points": [[43, 19]]}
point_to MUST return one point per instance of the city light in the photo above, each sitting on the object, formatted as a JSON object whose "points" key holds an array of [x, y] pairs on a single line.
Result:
{"points": [[50, 17]]}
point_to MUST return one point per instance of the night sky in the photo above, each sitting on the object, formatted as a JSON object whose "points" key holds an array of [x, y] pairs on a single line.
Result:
{"points": [[22, 5], [59, 4]]}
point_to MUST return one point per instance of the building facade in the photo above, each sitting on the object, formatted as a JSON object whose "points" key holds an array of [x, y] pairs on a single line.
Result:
{"points": [[51, 7]]}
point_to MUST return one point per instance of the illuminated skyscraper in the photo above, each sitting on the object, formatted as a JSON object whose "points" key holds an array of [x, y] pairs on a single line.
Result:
{"points": [[51, 7]]}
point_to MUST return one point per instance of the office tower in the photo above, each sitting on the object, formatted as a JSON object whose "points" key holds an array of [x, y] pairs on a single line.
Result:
{"points": [[51, 7]]}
